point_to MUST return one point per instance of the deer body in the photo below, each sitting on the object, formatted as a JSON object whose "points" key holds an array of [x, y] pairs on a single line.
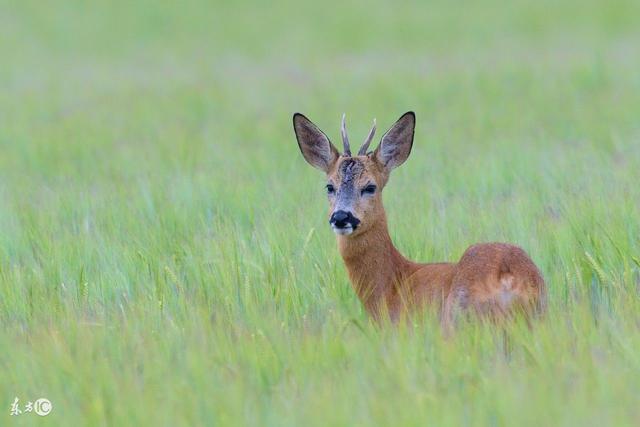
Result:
{"points": [[493, 280], [384, 279]]}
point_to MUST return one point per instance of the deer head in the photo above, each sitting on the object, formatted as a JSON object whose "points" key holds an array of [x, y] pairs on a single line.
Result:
{"points": [[355, 183]]}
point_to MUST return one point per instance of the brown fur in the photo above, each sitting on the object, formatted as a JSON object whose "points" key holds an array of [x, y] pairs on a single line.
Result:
{"points": [[492, 280]]}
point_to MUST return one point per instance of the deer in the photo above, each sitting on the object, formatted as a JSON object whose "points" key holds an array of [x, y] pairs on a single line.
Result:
{"points": [[492, 281]]}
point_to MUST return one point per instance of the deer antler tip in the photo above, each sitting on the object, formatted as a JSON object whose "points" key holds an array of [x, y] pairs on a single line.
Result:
{"points": [[365, 146], [345, 138]]}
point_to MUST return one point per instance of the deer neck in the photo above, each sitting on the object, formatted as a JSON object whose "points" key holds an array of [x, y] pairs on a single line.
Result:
{"points": [[374, 265]]}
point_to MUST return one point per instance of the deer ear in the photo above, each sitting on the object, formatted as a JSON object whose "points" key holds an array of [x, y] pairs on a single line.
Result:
{"points": [[396, 144], [314, 144]]}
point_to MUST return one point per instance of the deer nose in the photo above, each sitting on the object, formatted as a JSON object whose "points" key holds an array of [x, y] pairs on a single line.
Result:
{"points": [[339, 219], [343, 219]]}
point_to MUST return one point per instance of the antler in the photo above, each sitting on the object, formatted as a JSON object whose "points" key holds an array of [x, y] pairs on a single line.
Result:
{"points": [[345, 138], [365, 146]]}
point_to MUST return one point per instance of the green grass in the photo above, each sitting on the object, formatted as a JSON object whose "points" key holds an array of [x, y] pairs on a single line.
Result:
{"points": [[164, 252]]}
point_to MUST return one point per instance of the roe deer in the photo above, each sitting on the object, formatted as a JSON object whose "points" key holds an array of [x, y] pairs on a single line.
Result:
{"points": [[493, 280]]}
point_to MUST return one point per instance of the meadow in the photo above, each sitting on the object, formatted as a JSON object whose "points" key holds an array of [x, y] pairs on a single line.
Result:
{"points": [[165, 257]]}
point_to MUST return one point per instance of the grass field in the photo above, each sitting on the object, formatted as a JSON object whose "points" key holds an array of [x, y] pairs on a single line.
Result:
{"points": [[165, 257]]}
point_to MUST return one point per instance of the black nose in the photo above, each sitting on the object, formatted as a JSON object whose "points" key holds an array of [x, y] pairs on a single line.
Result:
{"points": [[342, 219], [339, 219]]}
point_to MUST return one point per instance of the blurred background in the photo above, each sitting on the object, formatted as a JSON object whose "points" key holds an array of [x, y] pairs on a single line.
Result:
{"points": [[165, 256]]}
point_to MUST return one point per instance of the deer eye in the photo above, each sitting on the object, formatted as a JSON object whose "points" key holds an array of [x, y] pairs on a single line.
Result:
{"points": [[330, 189], [369, 189]]}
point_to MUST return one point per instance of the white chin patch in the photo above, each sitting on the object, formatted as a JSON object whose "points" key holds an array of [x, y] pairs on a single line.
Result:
{"points": [[342, 231]]}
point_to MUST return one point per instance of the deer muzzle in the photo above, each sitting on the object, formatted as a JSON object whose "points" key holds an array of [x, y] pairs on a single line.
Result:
{"points": [[343, 222]]}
